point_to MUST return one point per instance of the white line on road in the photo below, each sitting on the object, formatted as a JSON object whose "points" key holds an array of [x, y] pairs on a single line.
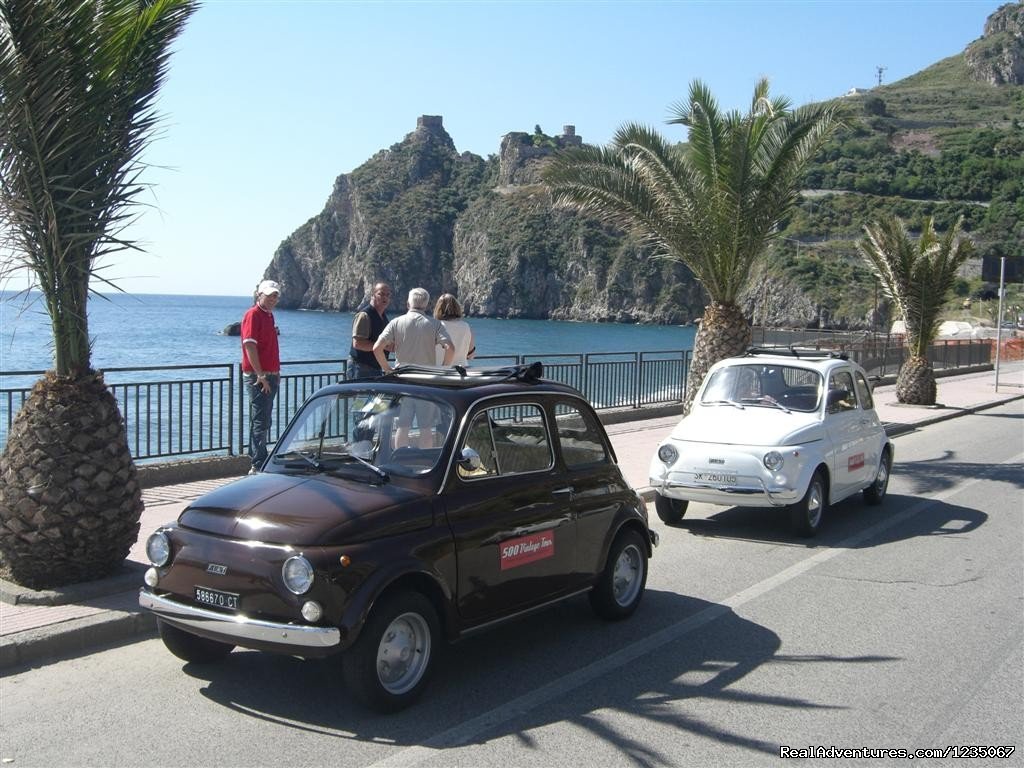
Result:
{"points": [[470, 729]]}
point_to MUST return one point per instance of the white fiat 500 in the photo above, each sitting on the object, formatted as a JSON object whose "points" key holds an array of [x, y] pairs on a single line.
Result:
{"points": [[776, 428]]}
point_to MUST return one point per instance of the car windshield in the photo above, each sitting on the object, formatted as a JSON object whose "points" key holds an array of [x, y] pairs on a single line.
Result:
{"points": [[365, 433], [784, 387]]}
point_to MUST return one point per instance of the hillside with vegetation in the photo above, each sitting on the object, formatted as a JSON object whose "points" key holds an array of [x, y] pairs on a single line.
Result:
{"points": [[947, 142]]}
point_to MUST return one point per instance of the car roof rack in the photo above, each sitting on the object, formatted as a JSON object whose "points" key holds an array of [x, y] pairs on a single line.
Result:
{"points": [[801, 353], [460, 376]]}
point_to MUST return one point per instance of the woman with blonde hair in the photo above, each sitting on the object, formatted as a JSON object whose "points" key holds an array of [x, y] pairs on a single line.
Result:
{"points": [[449, 312]]}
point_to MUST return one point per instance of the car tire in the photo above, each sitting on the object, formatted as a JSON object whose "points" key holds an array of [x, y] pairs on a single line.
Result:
{"points": [[621, 584], [192, 648], [388, 667], [805, 516], [875, 493], [670, 511]]}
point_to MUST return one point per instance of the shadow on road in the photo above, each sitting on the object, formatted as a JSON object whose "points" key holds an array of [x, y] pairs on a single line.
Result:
{"points": [[945, 471], [560, 665], [846, 522]]}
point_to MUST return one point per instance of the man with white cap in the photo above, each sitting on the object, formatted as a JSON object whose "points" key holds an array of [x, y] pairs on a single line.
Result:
{"points": [[261, 366]]}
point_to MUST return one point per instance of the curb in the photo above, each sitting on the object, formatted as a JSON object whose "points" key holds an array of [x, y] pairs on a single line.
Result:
{"points": [[129, 577], [76, 637], [894, 429]]}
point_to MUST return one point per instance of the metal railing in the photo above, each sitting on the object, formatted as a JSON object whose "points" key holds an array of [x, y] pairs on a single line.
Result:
{"points": [[181, 411], [882, 354], [169, 410]]}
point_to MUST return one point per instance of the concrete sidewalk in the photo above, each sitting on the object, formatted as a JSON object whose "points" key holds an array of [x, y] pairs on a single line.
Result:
{"points": [[40, 626]]}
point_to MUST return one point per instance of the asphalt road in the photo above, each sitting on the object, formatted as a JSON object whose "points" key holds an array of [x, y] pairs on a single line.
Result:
{"points": [[900, 627]]}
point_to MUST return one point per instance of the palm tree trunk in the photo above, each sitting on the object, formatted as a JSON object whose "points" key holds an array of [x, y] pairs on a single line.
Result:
{"points": [[915, 384], [69, 493], [724, 332]]}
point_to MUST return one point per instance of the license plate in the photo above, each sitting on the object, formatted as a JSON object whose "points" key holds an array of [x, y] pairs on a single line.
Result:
{"points": [[216, 598], [714, 477]]}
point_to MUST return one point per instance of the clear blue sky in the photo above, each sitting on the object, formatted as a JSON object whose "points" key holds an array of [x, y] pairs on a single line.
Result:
{"points": [[266, 103]]}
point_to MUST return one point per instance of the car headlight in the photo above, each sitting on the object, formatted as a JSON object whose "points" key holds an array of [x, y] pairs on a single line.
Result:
{"points": [[668, 454], [297, 574], [773, 461], [158, 548]]}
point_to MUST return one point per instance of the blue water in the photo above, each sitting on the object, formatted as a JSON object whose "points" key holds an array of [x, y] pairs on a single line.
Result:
{"points": [[149, 330]]}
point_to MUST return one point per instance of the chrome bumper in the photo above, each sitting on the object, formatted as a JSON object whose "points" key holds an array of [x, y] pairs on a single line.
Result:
{"points": [[239, 627], [775, 498]]}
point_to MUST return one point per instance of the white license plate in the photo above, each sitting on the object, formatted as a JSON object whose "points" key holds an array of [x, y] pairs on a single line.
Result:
{"points": [[216, 598], [714, 477]]}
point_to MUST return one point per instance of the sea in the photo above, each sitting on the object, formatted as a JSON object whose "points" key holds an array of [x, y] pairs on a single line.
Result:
{"points": [[143, 330]]}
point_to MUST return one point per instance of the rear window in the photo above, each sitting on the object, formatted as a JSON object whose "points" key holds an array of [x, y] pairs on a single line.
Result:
{"points": [[864, 392], [579, 436]]}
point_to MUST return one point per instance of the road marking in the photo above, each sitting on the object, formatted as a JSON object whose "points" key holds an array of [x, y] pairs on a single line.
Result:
{"points": [[467, 731]]}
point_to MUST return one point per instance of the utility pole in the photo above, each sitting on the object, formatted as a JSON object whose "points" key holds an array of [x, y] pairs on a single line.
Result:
{"points": [[880, 69], [999, 316]]}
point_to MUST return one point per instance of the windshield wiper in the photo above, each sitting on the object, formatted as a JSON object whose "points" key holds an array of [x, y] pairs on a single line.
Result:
{"points": [[733, 403], [284, 458], [382, 474], [773, 401]]}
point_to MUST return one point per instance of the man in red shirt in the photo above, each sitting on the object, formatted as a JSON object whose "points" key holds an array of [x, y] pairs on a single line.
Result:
{"points": [[261, 365]]}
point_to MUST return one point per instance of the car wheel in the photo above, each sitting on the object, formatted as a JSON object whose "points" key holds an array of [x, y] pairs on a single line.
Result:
{"points": [[875, 492], [388, 666], [192, 648], [621, 585], [805, 516], [669, 510]]}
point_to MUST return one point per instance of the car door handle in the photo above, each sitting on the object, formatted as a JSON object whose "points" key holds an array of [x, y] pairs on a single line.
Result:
{"points": [[563, 491], [547, 525]]}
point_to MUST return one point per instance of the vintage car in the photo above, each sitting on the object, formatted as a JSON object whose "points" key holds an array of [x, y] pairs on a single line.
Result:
{"points": [[398, 512], [776, 428]]}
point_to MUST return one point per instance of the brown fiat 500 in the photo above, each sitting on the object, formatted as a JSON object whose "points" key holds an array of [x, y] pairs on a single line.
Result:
{"points": [[400, 511]]}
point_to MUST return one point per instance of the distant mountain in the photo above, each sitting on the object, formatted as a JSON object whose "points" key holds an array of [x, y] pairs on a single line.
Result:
{"points": [[421, 214], [947, 141]]}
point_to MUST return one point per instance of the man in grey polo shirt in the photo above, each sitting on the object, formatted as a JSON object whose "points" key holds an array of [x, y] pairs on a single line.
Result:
{"points": [[414, 337]]}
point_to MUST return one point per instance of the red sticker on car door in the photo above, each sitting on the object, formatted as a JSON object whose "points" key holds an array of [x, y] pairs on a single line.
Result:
{"points": [[526, 549], [855, 462]]}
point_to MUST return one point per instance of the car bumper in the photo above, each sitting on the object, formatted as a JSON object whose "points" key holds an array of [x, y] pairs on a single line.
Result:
{"points": [[747, 492], [241, 630]]}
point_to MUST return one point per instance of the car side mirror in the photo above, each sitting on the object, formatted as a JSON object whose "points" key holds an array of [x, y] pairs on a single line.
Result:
{"points": [[470, 460]]}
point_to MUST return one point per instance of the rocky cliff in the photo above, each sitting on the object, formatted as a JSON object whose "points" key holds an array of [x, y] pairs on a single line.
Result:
{"points": [[998, 56], [421, 213]]}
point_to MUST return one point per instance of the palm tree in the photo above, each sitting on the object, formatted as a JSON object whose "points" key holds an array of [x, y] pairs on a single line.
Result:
{"points": [[917, 276], [714, 205], [78, 80]]}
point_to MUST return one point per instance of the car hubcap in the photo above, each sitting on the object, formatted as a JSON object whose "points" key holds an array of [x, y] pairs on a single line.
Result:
{"points": [[626, 577], [814, 505], [403, 653], [883, 477]]}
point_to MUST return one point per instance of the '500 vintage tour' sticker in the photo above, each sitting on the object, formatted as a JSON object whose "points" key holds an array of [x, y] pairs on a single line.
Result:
{"points": [[527, 549]]}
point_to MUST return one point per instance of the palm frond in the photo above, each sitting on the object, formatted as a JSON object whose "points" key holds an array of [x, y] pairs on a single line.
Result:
{"points": [[78, 83], [714, 207], [916, 275]]}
